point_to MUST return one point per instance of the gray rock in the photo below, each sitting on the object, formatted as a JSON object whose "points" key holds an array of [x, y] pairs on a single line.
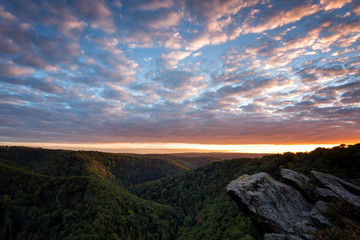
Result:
{"points": [[321, 206], [328, 179], [340, 187], [325, 194], [317, 217], [345, 195], [353, 181], [275, 236], [275, 206], [300, 183]]}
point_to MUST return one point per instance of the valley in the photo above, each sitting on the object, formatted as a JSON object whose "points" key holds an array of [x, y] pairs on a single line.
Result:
{"points": [[58, 194]]}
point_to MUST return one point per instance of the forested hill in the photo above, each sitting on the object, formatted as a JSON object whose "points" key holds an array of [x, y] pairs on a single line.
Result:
{"points": [[125, 168], [57, 194], [34, 206], [195, 160]]}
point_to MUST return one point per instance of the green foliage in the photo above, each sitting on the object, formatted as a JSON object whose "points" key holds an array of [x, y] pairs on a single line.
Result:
{"points": [[35, 206], [56, 194], [125, 168]]}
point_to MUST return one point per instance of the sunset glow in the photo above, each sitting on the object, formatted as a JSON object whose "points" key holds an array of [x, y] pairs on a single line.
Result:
{"points": [[175, 147], [166, 75]]}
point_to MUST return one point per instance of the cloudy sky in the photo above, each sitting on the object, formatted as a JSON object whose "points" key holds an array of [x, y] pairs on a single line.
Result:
{"points": [[180, 71]]}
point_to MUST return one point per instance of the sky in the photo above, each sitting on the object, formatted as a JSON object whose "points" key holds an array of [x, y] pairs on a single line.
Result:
{"points": [[209, 74]]}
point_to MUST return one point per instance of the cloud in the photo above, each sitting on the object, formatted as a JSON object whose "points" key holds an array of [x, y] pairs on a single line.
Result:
{"points": [[11, 69], [155, 26], [216, 16], [112, 64], [35, 62], [333, 4], [280, 18], [8, 46], [214, 10], [17, 32], [196, 54], [199, 42], [6, 15], [173, 79], [31, 84], [156, 4], [114, 92], [67, 23], [46, 85], [97, 13], [351, 96], [170, 19], [267, 72], [174, 42], [171, 59], [356, 9]]}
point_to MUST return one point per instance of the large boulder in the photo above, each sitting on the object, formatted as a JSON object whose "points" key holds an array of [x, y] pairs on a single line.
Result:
{"points": [[284, 212], [274, 206], [300, 183], [343, 189]]}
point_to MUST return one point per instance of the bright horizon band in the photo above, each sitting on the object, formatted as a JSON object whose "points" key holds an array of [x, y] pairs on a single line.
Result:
{"points": [[175, 147]]}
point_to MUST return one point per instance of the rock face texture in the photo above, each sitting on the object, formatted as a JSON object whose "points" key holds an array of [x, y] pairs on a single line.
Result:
{"points": [[300, 183], [294, 212], [343, 189], [275, 206]]}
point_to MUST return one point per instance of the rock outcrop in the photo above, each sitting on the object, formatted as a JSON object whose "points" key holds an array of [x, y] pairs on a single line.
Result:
{"points": [[343, 189], [275, 206], [300, 183], [275, 236], [292, 211]]}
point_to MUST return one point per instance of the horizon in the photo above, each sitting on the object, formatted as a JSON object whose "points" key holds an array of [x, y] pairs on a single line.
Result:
{"points": [[175, 148], [166, 75]]}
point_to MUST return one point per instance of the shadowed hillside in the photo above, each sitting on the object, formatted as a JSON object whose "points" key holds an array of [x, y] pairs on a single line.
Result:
{"points": [[35, 206], [56, 194]]}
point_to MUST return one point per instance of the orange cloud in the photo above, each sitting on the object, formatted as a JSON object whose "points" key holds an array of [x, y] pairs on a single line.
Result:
{"points": [[356, 9], [282, 18], [172, 19], [334, 4]]}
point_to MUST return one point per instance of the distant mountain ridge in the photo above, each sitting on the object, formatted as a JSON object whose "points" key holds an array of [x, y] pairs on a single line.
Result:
{"points": [[195, 160], [127, 168]]}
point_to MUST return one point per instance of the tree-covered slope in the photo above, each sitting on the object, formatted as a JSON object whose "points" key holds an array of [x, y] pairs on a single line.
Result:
{"points": [[200, 193], [35, 206], [195, 160], [56, 194], [129, 169]]}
